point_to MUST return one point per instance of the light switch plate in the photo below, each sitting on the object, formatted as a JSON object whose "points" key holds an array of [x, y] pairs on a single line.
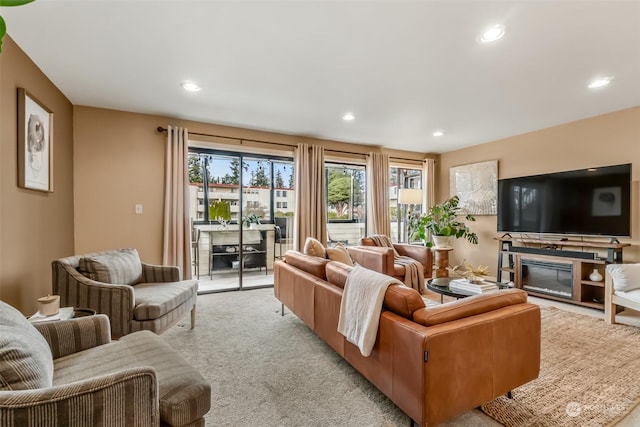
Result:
{"points": [[139, 209]]}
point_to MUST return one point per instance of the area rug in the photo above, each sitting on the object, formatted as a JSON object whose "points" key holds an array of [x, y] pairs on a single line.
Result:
{"points": [[589, 375]]}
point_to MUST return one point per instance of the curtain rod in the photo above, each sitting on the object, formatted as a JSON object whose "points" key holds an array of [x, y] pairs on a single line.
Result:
{"points": [[162, 130]]}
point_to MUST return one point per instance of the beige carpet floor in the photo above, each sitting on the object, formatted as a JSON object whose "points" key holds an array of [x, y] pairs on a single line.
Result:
{"points": [[270, 370]]}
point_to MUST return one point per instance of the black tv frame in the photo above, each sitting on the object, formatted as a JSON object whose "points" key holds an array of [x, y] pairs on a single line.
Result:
{"points": [[562, 199]]}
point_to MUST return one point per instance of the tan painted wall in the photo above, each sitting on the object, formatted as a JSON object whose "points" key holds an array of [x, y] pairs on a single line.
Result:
{"points": [[35, 227], [119, 161], [599, 141]]}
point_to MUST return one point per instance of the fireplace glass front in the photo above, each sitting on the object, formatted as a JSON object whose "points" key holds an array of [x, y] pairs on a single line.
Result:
{"points": [[551, 278]]}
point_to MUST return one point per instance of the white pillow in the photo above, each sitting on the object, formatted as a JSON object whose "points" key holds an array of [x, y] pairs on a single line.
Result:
{"points": [[626, 277]]}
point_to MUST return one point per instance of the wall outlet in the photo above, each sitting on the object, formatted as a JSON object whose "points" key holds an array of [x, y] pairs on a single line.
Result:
{"points": [[139, 209]]}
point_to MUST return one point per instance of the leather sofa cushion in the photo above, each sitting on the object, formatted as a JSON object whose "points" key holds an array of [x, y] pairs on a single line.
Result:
{"points": [[402, 300], [469, 306], [398, 270], [119, 267], [154, 300], [367, 241], [26, 361], [311, 264], [337, 273]]}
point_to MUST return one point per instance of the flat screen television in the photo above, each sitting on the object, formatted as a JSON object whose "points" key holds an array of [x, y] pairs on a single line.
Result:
{"points": [[587, 202]]}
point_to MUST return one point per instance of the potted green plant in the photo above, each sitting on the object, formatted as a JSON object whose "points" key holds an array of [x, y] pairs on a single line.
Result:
{"points": [[251, 221], [443, 220], [220, 211]]}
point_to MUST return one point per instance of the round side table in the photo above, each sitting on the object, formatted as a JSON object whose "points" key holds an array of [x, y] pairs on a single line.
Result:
{"points": [[82, 312]]}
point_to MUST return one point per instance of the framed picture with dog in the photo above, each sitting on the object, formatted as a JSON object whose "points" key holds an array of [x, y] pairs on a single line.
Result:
{"points": [[35, 143]]}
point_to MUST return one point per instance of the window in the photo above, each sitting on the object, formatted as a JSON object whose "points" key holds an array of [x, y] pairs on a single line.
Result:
{"points": [[246, 183], [346, 204], [400, 178]]}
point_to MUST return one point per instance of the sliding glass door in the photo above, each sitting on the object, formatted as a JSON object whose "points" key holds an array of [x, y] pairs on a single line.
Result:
{"points": [[236, 231]]}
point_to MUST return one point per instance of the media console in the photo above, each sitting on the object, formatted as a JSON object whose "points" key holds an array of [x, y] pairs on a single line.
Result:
{"points": [[546, 268]]}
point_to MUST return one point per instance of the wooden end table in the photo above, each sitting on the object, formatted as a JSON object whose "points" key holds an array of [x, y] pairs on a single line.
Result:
{"points": [[442, 260]]}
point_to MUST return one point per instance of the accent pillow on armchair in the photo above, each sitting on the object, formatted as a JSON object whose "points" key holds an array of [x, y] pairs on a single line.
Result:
{"points": [[120, 267], [26, 361]]}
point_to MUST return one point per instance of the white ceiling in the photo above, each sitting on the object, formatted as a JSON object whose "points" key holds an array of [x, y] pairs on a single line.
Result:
{"points": [[403, 68]]}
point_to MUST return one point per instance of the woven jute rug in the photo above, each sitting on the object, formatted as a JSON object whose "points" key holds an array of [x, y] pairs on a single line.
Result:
{"points": [[589, 375]]}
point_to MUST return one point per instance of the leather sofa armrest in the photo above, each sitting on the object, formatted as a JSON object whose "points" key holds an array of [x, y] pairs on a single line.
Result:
{"points": [[469, 306], [74, 335], [422, 254], [374, 258], [137, 387], [160, 273]]}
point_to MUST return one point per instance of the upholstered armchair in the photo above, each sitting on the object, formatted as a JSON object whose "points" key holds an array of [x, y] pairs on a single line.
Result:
{"points": [[384, 259], [70, 373], [133, 294], [621, 288], [420, 253]]}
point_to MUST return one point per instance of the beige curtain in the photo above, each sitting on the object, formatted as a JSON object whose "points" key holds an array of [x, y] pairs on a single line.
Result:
{"points": [[428, 184], [310, 218], [378, 217], [176, 244]]}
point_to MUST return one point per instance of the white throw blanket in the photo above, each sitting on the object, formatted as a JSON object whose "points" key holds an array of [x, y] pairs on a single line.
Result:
{"points": [[361, 306]]}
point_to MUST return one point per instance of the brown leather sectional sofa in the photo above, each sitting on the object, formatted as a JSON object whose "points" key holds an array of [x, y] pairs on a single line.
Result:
{"points": [[435, 363]]}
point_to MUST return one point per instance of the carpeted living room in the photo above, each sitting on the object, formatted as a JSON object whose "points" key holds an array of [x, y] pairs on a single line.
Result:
{"points": [[230, 212]]}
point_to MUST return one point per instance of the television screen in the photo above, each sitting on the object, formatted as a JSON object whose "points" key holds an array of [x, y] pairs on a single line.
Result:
{"points": [[594, 201]]}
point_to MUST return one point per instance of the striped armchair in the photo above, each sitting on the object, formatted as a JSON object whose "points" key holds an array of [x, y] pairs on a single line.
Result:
{"points": [[136, 296], [70, 373]]}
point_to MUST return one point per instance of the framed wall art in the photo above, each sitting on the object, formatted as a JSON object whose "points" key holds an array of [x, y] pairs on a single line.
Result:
{"points": [[477, 187], [35, 143]]}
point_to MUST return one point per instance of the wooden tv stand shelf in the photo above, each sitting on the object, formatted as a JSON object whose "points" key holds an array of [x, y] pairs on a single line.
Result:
{"points": [[558, 269]]}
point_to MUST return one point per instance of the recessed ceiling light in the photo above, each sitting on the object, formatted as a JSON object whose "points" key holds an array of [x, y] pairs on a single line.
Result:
{"points": [[348, 117], [190, 86], [603, 81], [492, 34], [438, 133], [592, 169]]}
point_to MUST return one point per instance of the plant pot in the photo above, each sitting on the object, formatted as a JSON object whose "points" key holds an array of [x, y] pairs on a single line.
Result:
{"points": [[442, 241]]}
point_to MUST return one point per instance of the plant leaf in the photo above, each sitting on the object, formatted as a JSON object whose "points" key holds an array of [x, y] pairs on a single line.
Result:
{"points": [[3, 31], [14, 2]]}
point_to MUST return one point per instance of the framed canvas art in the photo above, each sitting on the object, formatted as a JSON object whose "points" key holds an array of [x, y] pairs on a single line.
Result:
{"points": [[477, 187], [35, 143]]}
